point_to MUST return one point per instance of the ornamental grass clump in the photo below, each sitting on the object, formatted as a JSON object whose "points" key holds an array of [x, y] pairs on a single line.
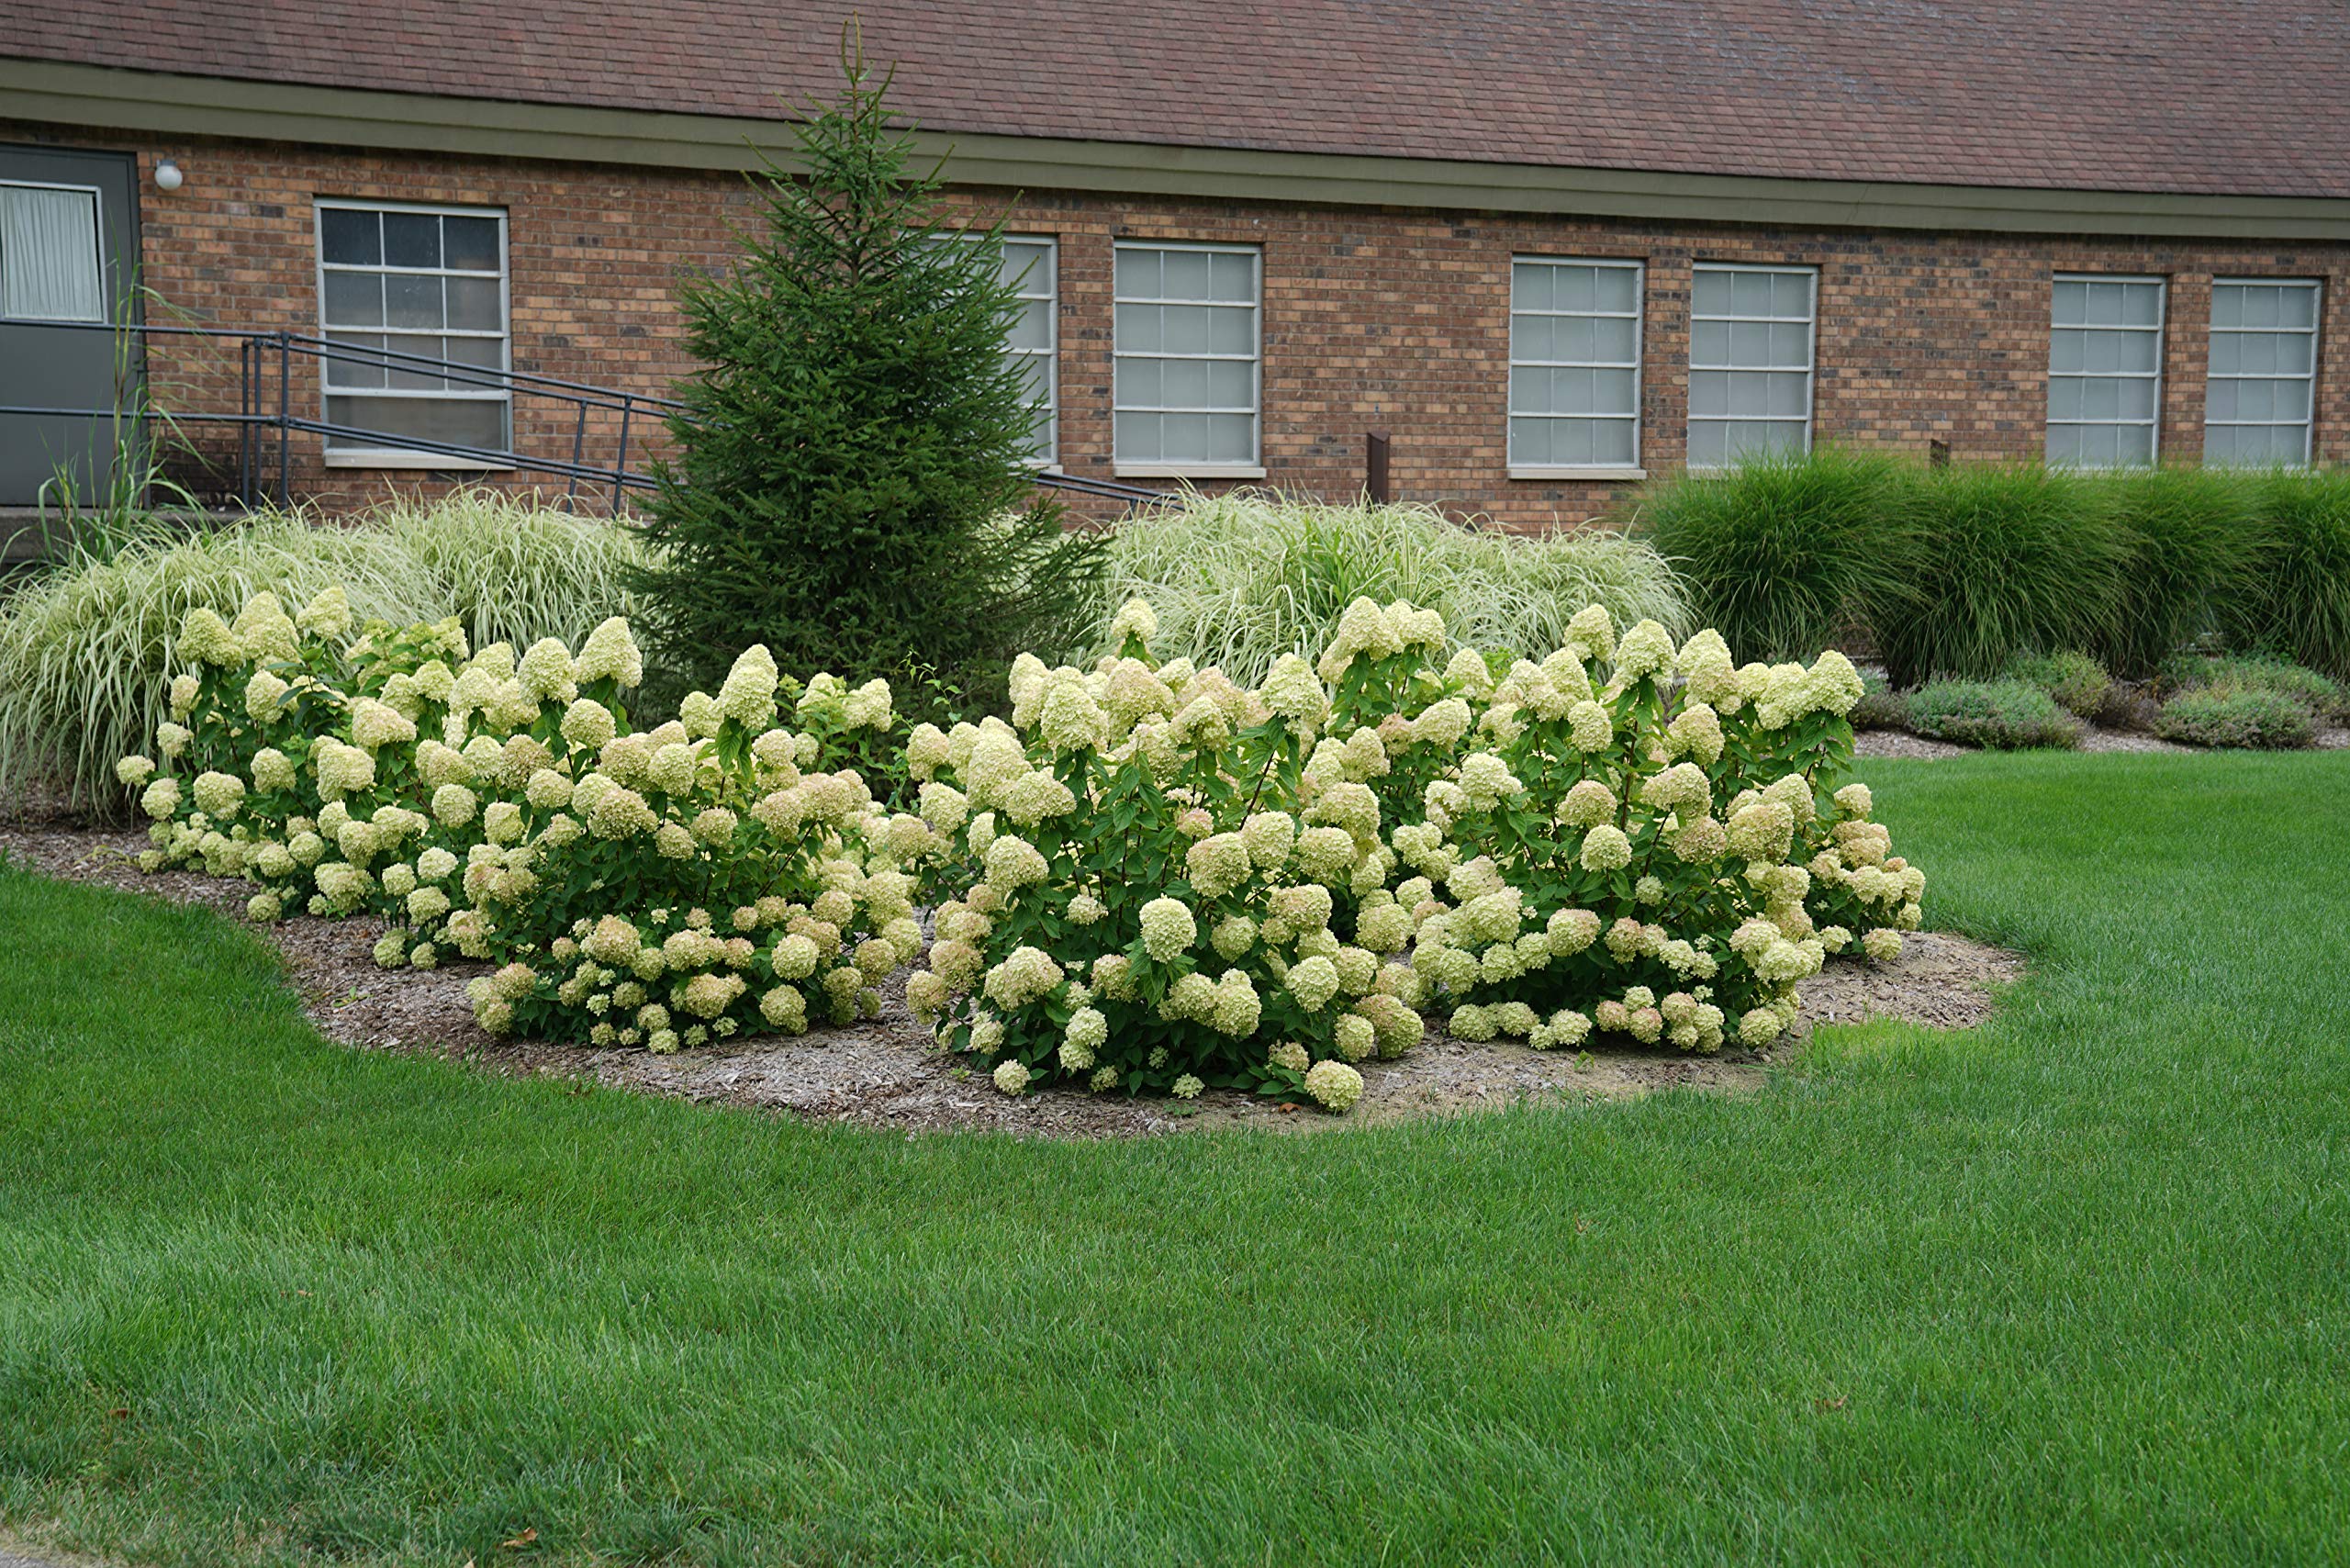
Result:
{"points": [[1238, 580], [2005, 560], [499, 807], [1174, 881], [86, 653], [1785, 556], [2297, 602]]}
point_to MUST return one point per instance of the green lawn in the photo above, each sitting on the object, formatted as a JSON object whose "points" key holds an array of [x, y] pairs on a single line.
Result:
{"points": [[2069, 1288]]}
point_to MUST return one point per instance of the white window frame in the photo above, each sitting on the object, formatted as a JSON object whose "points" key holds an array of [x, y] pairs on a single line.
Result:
{"points": [[396, 458], [1639, 316], [2316, 288], [99, 223], [1255, 468], [1805, 271], [1050, 461], [2162, 346]]}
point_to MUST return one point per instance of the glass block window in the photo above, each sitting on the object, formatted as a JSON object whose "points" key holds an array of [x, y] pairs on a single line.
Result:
{"points": [[1186, 380], [1575, 363], [1750, 361], [411, 280], [51, 264], [2264, 370], [2105, 368]]}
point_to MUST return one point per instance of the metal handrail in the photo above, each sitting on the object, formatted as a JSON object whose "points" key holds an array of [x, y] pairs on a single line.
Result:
{"points": [[254, 418]]}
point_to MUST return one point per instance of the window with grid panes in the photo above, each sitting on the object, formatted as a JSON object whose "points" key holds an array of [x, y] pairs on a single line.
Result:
{"points": [[1031, 265], [2264, 371], [1575, 363], [1749, 361], [1185, 382], [426, 282], [2104, 360]]}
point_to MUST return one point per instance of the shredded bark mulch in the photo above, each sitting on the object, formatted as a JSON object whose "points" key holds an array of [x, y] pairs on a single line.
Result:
{"points": [[887, 1072]]}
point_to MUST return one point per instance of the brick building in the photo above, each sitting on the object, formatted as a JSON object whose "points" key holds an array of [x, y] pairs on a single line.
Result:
{"points": [[1547, 247]]}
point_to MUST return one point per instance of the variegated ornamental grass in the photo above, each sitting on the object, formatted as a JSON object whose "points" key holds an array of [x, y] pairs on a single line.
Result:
{"points": [[87, 650], [1151, 878]]}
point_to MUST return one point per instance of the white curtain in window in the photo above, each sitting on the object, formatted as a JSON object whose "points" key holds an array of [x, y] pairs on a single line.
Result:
{"points": [[49, 254]]}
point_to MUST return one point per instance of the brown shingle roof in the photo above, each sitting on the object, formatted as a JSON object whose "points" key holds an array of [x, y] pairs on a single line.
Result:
{"points": [[2208, 96]]}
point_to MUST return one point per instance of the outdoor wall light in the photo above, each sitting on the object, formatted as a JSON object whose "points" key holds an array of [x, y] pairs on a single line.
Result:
{"points": [[167, 175]]}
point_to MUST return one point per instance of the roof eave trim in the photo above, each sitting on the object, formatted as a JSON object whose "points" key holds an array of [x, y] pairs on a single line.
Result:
{"points": [[166, 104]]}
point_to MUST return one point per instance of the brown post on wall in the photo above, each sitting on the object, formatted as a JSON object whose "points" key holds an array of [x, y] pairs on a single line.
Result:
{"points": [[1375, 482]]}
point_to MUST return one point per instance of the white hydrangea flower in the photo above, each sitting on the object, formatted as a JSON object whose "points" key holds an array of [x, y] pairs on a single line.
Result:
{"points": [[867, 707], [1590, 727], [1293, 692], [1167, 929], [1012, 862], [328, 615], [1646, 650], [1591, 633], [1605, 848], [1217, 864], [1335, 1085], [206, 638], [219, 795], [1134, 622], [547, 671], [375, 725]]}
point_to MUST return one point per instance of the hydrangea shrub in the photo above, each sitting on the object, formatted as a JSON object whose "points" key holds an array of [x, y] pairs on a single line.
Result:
{"points": [[1638, 840], [1151, 897], [502, 807], [1172, 881], [1149, 879]]}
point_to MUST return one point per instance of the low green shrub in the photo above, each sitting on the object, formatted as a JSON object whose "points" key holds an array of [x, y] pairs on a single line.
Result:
{"points": [[84, 653], [1880, 707], [2296, 602], [2076, 682], [2323, 700], [1240, 579], [2004, 715], [2009, 558], [2212, 716], [1785, 556]]}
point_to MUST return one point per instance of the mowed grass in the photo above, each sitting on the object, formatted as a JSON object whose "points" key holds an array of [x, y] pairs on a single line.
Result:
{"points": [[2069, 1288]]}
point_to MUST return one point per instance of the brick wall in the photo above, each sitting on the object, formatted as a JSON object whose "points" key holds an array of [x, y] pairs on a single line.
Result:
{"points": [[1372, 317]]}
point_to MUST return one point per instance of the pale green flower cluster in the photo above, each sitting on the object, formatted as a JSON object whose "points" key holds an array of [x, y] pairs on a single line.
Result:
{"points": [[1151, 879], [1256, 951], [465, 797]]}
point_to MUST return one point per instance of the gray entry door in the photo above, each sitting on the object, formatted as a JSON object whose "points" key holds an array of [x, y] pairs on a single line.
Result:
{"points": [[68, 253]]}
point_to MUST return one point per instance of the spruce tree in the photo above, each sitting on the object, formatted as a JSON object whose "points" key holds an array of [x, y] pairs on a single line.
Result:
{"points": [[851, 485]]}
